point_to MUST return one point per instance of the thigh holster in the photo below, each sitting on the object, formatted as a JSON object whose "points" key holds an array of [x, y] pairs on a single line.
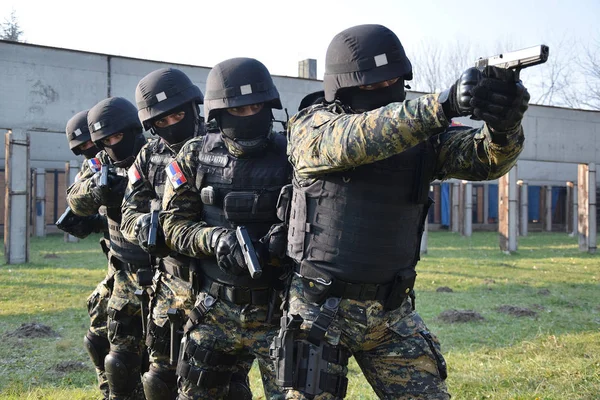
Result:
{"points": [[200, 376]]}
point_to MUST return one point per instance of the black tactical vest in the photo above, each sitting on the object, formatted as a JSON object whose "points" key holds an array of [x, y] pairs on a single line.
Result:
{"points": [[155, 170], [241, 191], [364, 225], [121, 248]]}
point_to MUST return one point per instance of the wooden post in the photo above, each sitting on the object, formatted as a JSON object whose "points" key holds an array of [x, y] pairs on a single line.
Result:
{"points": [[468, 209], [524, 197], [592, 224], [486, 204], [17, 178], [548, 209], [455, 218], [71, 170], [507, 211], [583, 209], [40, 202]]}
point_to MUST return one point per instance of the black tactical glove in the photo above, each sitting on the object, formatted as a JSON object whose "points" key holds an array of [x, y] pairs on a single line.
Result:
{"points": [[499, 100], [456, 101], [228, 251], [142, 232], [99, 223], [112, 194], [275, 241]]}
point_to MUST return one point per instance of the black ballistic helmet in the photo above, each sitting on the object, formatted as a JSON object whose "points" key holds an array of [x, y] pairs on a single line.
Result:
{"points": [[311, 99], [78, 132], [110, 116], [239, 82], [363, 55], [164, 90]]}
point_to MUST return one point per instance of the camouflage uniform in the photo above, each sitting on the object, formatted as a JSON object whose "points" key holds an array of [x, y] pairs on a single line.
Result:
{"points": [[223, 336], [114, 309], [172, 283], [400, 358]]}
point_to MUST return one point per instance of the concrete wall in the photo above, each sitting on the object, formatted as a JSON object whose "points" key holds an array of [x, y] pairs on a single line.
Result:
{"points": [[42, 87]]}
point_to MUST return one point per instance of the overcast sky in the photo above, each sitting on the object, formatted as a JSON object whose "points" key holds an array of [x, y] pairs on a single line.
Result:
{"points": [[280, 33]]}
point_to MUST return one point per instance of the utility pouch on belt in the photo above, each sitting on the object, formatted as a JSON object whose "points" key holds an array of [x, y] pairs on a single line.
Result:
{"points": [[284, 202], [317, 283], [401, 289], [144, 277], [176, 319]]}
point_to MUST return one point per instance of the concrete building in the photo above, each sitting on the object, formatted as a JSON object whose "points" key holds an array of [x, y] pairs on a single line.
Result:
{"points": [[42, 87]]}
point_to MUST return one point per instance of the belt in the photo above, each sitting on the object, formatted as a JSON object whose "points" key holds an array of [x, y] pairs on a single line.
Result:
{"points": [[125, 266], [235, 294], [178, 271]]}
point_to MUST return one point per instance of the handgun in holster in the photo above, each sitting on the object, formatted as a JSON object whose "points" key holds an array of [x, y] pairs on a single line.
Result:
{"points": [[176, 318], [282, 350]]}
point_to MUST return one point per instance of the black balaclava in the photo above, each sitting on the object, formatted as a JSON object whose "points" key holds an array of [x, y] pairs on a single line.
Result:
{"points": [[90, 152], [124, 152], [245, 136], [181, 131], [361, 100]]}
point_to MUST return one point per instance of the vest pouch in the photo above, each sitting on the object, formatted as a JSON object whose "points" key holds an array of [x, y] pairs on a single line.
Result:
{"points": [[284, 201], [208, 195], [316, 282], [240, 207], [401, 289]]}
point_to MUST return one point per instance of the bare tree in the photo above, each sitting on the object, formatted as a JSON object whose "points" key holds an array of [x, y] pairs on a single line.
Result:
{"points": [[10, 29], [591, 70]]}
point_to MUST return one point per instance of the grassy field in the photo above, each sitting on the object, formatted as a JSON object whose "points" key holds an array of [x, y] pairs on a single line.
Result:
{"points": [[534, 331]]}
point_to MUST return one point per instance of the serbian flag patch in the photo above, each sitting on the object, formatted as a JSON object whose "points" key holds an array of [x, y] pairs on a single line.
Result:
{"points": [[175, 175], [94, 164], [133, 175]]}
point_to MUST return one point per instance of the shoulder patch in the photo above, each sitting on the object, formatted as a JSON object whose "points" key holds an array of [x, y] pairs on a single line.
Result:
{"points": [[175, 175], [134, 175], [94, 164], [216, 160]]}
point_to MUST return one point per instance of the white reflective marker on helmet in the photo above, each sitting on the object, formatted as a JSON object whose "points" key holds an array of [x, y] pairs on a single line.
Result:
{"points": [[246, 89], [380, 60], [161, 96]]}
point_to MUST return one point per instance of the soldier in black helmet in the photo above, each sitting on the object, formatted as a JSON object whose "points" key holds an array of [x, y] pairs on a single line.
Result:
{"points": [[363, 161], [168, 107], [223, 181], [116, 129], [95, 340]]}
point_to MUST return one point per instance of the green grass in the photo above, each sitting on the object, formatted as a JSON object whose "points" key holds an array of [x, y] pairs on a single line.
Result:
{"points": [[553, 355]]}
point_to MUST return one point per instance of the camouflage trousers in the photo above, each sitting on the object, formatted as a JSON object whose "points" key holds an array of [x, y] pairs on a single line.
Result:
{"points": [[168, 292], [397, 354], [125, 324], [97, 306], [232, 329]]}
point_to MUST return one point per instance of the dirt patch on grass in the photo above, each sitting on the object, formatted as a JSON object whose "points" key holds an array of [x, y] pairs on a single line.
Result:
{"points": [[516, 311], [444, 289], [70, 366], [489, 281], [33, 330], [51, 255], [543, 292], [454, 316]]}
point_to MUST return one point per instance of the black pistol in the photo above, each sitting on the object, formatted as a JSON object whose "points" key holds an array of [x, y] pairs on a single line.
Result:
{"points": [[250, 256], [154, 226]]}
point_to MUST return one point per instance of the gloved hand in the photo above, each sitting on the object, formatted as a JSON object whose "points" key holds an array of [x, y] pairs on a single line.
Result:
{"points": [[228, 251], [142, 233], [275, 241], [456, 101], [499, 100], [112, 194], [99, 223]]}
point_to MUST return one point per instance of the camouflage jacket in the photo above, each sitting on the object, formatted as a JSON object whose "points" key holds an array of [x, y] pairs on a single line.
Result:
{"points": [[324, 139], [78, 194], [146, 183]]}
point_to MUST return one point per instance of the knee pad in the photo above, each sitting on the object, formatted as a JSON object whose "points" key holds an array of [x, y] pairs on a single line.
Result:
{"points": [[160, 383], [239, 388], [97, 347], [122, 371]]}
